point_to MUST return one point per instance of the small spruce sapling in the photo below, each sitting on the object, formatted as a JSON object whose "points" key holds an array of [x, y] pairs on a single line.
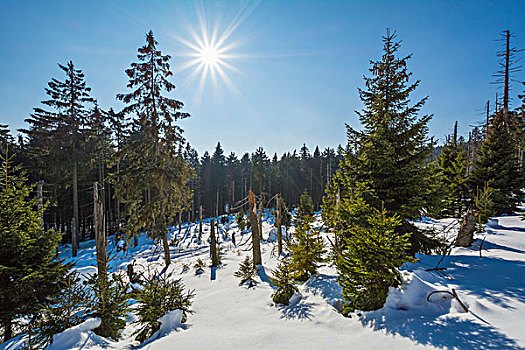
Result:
{"points": [[284, 280], [160, 295], [307, 246], [246, 273], [199, 267], [64, 310], [485, 205], [108, 300]]}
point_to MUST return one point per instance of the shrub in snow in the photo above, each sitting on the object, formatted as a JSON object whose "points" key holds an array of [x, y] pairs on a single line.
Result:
{"points": [[368, 264], [246, 273], [283, 280], [240, 220], [199, 267], [108, 300], [159, 296], [225, 219]]}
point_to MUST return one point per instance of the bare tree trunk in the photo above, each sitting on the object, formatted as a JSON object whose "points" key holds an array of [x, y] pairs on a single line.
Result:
{"points": [[256, 238], [200, 221], [213, 246], [166, 246], [74, 222], [279, 228], [100, 235]]}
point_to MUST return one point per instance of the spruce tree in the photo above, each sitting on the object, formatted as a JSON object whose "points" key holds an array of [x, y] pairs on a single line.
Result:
{"points": [[160, 295], [452, 164], [498, 167], [153, 183], [389, 155], [369, 263], [61, 130], [108, 300], [246, 273], [306, 245], [283, 280], [63, 311], [30, 274]]}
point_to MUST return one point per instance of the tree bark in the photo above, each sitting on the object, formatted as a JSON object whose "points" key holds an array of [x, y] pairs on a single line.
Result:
{"points": [[75, 221], [167, 258], [279, 228], [213, 245], [100, 235], [256, 238]]}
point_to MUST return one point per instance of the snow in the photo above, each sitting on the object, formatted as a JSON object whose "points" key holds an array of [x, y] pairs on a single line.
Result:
{"points": [[231, 316]]}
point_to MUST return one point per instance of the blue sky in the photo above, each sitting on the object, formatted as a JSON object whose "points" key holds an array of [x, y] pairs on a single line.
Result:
{"points": [[297, 64]]}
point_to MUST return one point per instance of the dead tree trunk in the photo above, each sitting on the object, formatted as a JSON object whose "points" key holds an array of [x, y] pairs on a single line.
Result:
{"points": [[100, 235], [213, 245], [256, 238], [466, 230], [200, 221], [279, 227]]}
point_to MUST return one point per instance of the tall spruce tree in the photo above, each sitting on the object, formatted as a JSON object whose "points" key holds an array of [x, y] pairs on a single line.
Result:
{"points": [[498, 167], [62, 130], [389, 155], [153, 184], [30, 274], [307, 246]]}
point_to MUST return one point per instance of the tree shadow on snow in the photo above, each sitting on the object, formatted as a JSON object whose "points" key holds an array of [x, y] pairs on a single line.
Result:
{"points": [[495, 279], [300, 311], [449, 332]]}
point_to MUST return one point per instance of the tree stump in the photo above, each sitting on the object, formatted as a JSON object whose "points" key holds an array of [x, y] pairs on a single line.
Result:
{"points": [[466, 230]]}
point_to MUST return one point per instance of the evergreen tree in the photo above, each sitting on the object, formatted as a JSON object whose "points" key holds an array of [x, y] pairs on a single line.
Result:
{"points": [[307, 246], [246, 273], [498, 167], [388, 156], [30, 274], [64, 310], [108, 300], [369, 263], [160, 295], [61, 132], [283, 280], [452, 164], [154, 183]]}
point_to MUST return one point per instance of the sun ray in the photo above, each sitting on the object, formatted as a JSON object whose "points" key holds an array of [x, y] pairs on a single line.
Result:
{"points": [[210, 50]]}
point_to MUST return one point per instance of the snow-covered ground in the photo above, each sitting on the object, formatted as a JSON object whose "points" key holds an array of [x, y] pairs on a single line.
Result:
{"points": [[228, 316]]}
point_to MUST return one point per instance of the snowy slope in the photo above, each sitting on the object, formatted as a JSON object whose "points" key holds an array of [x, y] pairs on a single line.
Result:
{"points": [[228, 316]]}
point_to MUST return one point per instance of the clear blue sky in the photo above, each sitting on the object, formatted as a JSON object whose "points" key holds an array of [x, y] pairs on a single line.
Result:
{"points": [[298, 69]]}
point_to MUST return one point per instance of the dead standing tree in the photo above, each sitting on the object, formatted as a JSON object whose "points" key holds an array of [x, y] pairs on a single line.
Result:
{"points": [[256, 235]]}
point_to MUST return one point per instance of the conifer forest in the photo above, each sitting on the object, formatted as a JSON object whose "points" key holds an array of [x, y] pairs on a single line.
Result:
{"points": [[266, 175]]}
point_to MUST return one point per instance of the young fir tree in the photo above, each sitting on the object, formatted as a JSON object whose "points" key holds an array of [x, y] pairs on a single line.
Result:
{"points": [[246, 273], [498, 166], [30, 274], [389, 155], [64, 310], [283, 280], [306, 245], [108, 300], [61, 131], [160, 295], [452, 164], [153, 183], [369, 264]]}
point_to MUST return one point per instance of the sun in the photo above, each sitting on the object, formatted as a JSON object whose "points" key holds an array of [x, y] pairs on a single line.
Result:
{"points": [[210, 50], [209, 56]]}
